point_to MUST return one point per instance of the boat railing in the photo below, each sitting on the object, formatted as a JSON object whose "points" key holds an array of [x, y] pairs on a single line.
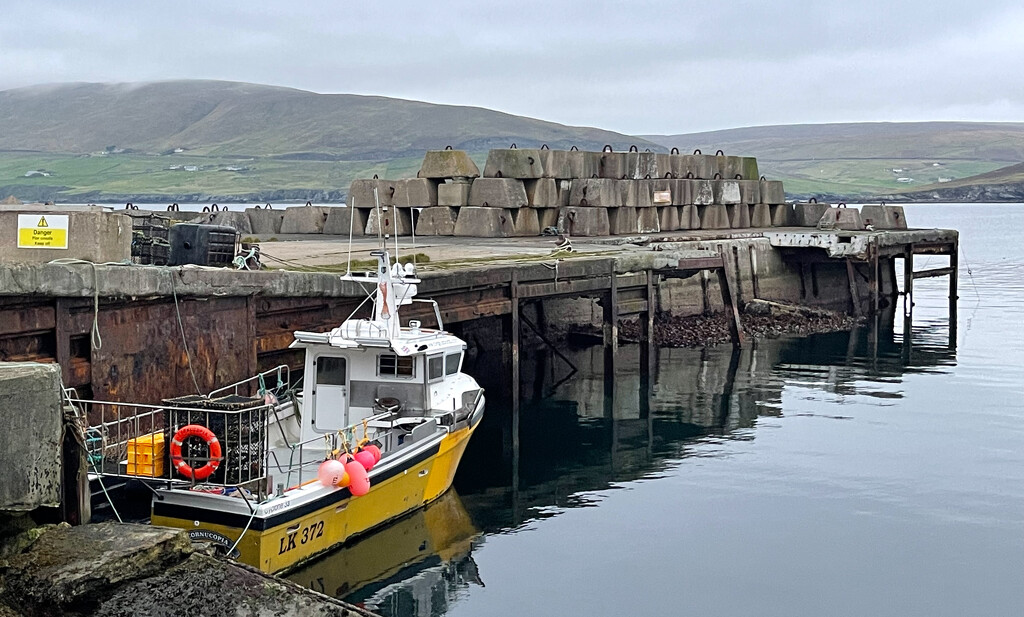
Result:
{"points": [[133, 440], [280, 374]]}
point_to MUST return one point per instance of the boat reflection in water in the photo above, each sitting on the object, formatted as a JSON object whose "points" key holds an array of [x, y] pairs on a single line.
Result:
{"points": [[411, 567]]}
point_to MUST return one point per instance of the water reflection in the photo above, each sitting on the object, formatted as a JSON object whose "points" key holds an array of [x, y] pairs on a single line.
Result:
{"points": [[579, 436]]}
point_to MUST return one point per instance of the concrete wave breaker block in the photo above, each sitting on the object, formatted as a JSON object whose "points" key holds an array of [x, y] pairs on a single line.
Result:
{"points": [[483, 222], [682, 192], [498, 192], [730, 167], [239, 221], [339, 220], [623, 221], [699, 166], [360, 193], [662, 192], [415, 193], [389, 221], [884, 217], [543, 193], [547, 217], [689, 217], [847, 219], [30, 444], [647, 220], [668, 218], [560, 164], [612, 165], [772, 192], [92, 235], [440, 164], [525, 221], [783, 215], [702, 192], [642, 165], [265, 220], [514, 163], [437, 221], [808, 214], [726, 192], [715, 216], [761, 215], [595, 192], [750, 192], [749, 168], [304, 220], [583, 164], [739, 216], [453, 194], [635, 193], [582, 221]]}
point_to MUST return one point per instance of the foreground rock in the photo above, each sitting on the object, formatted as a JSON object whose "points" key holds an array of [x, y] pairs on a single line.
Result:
{"points": [[111, 569]]}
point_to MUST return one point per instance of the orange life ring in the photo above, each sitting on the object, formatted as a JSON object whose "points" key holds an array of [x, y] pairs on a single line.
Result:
{"points": [[195, 430]]}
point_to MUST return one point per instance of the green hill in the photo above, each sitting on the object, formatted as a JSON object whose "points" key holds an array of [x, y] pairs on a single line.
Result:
{"points": [[90, 141], [858, 160]]}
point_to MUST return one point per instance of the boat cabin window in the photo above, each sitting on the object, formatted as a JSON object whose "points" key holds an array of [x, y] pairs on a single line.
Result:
{"points": [[452, 362], [435, 368], [330, 371], [391, 365]]}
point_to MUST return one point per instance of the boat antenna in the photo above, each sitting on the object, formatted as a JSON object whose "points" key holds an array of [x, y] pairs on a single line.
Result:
{"points": [[376, 198], [351, 217]]}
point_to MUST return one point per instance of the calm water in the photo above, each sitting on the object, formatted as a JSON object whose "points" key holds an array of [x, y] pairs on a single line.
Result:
{"points": [[798, 477]]}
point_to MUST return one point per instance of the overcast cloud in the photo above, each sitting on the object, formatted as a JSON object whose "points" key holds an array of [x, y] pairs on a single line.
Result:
{"points": [[634, 67]]}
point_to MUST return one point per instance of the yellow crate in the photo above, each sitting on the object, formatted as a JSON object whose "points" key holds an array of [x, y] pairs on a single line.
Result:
{"points": [[152, 469], [146, 455]]}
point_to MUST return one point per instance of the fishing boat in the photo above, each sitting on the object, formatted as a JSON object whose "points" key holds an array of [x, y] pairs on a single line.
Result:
{"points": [[278, 468]]}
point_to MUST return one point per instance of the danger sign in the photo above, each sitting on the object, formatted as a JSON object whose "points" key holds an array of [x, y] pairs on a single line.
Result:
{"points": [[42, 231]]}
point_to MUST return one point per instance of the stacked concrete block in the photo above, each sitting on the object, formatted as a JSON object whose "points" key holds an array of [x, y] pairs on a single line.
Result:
{"points": [[726, 192], [750, 192], [739, 215], [514, 163], [415, 193], [783, 215], [304, 219], [265, 221], [485, 222], [623, 221], [847, 219], [547, 217], [442, 164], [583, 221], [525, 222], [595, 192], [714, 216], [760, 215], [884, 217], [543, 192], [641, 165], [702, 193], [453, 194], [647, 220], [561, 164], [668, 218], [583, 164], [361, 193], [635, 193], [389, 221], [771, 192], [689, 217], [342, 220], [498, 192], [437, 221], [808, 214], [612, 165]]}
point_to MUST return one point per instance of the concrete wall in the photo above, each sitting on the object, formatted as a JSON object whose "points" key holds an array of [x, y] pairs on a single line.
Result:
{"points": [[31, 425], [93, 235]]}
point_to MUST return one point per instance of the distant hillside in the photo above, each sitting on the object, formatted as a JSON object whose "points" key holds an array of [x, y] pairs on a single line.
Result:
{"points": [[227, 118], [1002, 185], [857, 160]]}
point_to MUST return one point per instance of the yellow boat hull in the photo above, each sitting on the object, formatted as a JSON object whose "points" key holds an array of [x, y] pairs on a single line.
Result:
{"points": [[292, 540]]}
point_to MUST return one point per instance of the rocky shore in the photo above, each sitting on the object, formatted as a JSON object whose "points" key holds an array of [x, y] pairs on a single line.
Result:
{"points": [[760, 319], [112, 569]]}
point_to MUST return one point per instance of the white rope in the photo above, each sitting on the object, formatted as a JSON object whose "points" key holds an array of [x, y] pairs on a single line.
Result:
{"points": [[181, 328]]}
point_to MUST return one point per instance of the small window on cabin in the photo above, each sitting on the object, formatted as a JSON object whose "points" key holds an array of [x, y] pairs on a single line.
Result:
{"points": [[435, 368], [391, 365], [451, 363], [330, 371]]}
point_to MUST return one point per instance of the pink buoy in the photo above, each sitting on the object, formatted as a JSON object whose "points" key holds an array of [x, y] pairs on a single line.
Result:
{"points": [[359, 480], [374, 450], [332, 472], [366, 459]]}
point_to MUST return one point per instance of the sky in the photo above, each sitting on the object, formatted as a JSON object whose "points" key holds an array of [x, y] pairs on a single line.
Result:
{"points": [[635, 67]]}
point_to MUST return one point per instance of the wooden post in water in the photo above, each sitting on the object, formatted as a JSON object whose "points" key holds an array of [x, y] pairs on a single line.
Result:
{"points": [[732, 311], [647, 349], [610, 315], [851, 275], [954, 274], [515, 329]]}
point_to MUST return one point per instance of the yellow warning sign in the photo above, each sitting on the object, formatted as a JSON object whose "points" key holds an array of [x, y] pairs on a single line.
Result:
{"points": [[46, 231]]}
